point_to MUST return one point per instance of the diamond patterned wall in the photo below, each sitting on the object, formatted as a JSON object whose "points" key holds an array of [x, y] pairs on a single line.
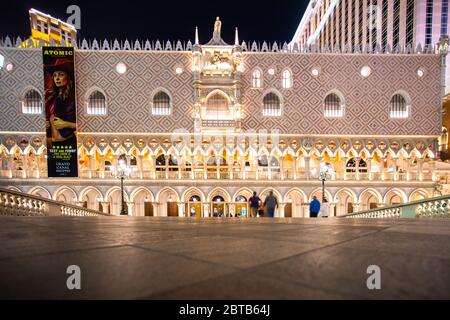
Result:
{"points": [[129, 95]]}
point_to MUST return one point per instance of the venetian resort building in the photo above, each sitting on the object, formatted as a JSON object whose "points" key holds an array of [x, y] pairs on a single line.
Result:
{"points": [[201, 126]]}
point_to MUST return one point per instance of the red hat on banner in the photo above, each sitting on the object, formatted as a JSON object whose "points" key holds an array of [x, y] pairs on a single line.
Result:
{"points": [[60, 65]]}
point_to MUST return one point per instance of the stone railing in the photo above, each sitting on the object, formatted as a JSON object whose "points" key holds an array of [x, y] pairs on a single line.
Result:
{"points": [[438, 207], [251, 46], [13, 203]]}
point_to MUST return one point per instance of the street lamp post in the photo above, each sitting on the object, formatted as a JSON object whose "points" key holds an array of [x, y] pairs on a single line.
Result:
{"points": [[123, 171], [323, 176]]}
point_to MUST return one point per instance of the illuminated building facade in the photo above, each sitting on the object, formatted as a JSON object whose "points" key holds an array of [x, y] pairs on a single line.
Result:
{"points": [[201, 126]]}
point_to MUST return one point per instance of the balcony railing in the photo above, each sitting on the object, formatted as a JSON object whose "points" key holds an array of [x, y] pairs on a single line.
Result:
{"points": [[22, 204], [438, 207], [224, 174]]}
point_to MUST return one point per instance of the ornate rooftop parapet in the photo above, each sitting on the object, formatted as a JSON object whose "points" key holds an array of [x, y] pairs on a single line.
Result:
{"points": [[247, 46]]}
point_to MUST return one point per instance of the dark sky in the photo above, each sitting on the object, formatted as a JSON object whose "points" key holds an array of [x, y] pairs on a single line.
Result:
{"points": [[270, 20]]}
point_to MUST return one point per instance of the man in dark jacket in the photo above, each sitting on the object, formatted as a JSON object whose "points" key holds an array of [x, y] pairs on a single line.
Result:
{"points": [[314, 207], [270, 203]]}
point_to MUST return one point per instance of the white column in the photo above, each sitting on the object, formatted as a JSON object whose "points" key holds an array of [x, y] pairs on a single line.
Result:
{"points": [[141, 166], [332, 206], [206, 209], [408, 169], [295, 167], [230, 167], [102, 166], [369, 168], [25, 165], [166, 164], [282, 167], [394, 160], [154, 166], [280, 210], [180, 209], [432, 165], [305, 207], [307, 167], [192, 167], [130, 207], [105, 206], [156, 206]]}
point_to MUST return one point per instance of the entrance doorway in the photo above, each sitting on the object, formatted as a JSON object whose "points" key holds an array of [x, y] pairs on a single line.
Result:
{"points": [[288, 210], [194, 207], [172, 209], [148, 209], [218, 206], [241, 207]]}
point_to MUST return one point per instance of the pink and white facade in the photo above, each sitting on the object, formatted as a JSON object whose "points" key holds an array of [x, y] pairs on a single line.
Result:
{"points": [[201, 126]]}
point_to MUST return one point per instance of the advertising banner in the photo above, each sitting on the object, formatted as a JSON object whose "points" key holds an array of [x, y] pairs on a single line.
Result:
{"points": [[60, 111]]}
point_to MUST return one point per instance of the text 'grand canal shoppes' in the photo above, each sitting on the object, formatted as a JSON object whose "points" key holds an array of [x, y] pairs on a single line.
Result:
{"points": [[199, 127]]}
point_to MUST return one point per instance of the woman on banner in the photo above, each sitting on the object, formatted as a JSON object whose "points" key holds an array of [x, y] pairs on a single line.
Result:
{"points": [[60, 102]]}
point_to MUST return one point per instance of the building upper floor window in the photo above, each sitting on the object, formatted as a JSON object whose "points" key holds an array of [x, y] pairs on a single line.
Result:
{"points": [[334, 106], [96, 103], [256, 79], [287, 79], [161, 104], [32, 102], [271, 105], [399, 107]]}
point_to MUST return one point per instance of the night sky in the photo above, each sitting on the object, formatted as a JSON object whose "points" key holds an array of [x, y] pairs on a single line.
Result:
{"points": [[274, 20]]}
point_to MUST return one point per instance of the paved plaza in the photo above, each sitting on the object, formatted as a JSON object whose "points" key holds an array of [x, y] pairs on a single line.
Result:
{"points": [[182, 258]]}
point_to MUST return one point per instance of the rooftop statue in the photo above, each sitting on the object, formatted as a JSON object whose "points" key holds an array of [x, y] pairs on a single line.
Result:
{"points": [[217, 39]]}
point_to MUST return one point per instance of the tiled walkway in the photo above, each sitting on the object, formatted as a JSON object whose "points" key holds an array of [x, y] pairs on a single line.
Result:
{"points": [[177, 258]]}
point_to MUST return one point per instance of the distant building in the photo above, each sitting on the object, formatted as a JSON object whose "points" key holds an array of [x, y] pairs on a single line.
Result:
{"points": [[45, 29]]}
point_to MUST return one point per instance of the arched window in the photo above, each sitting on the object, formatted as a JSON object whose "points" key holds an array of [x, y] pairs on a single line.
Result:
{"points": [[96, 103], [334, 106], [271, 105], [217, 107], [161, 104], [287, 79], [399, 108], [32, 102], [351, 165], [256, 79]]}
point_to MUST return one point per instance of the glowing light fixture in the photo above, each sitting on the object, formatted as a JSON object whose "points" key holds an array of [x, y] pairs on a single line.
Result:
{"points": [[178, 70], [365, 71], [271, 71], [121, 68], [315, 72], [9, 67], [420, 73]]}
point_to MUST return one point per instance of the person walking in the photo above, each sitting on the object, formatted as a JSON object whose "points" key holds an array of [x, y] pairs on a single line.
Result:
{"points": [[255, 203], [270, 203], [314, 207], [325, 209]]}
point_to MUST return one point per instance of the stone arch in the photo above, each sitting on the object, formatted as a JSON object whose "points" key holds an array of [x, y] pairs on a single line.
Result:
{"points": [[89, 197], [65, 194], [244, 191], [416, 193], [191, 191], [367, 197], [167, 198], [294, 199], [40, 191], [114, 198], [14, 189], [139, 197], [193, 208], [391, 193], [318, 193], [346, 201], [218, 191]]}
